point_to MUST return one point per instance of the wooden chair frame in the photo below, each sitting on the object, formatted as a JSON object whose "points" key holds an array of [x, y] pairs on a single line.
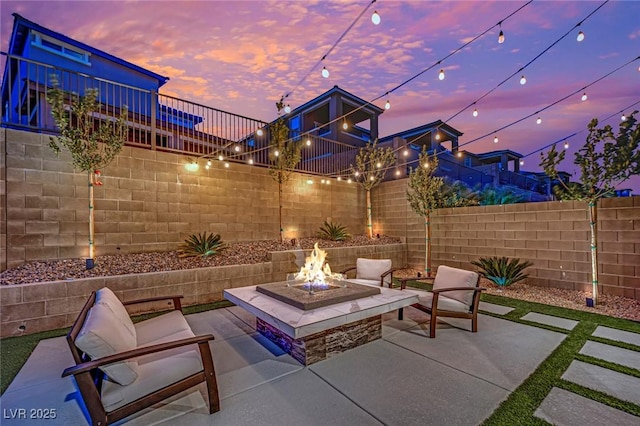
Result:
{"points": [[89, 378], [382, 277], [472, 314]]}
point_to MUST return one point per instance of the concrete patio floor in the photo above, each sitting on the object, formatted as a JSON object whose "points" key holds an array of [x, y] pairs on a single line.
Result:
{"points": [[405, 378]]}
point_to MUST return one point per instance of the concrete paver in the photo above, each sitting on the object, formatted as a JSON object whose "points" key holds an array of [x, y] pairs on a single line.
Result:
{"points": [[617, 335], [495, 309], [564, 323], [612, 354], [621, 386]]}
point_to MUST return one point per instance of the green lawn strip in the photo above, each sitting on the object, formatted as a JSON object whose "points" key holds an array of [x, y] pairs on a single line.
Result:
{"points": [[14, 351]]}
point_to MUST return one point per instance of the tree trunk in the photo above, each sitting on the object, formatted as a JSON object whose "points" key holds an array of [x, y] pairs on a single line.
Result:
{"points": [[369, 223], [280, 211], [427, 250], [91, 219], [593, 226]]}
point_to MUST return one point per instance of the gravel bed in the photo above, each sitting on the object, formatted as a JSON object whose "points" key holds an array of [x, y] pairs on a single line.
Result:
{"points": [[614, 306], [241, 253]]}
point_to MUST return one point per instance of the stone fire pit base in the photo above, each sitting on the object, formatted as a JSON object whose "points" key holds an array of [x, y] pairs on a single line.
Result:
{"points": [[325, 344]]}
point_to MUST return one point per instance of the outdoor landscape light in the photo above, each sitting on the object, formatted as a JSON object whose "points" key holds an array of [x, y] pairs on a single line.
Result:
{"points": [[441, 74], [580, 36], [325, 72], [495, 140], [287, 109], [375, 18], [387, 105], [475, 112], [501, 37], [538, 120], [523, 80], [584, 96]]}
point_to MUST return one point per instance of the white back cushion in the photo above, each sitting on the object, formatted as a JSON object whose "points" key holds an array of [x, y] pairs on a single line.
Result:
{"points": [[372, 269], [447, 277], [104, 334], [107, 297]]}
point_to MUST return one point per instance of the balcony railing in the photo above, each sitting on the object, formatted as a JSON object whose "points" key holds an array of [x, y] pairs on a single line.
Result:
{"points": [[156, 121]]}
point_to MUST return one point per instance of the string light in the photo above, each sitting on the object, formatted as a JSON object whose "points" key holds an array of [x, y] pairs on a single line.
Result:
{"points": [[237, 148], [437, 136], [501, 35], [566, 145], [459, 154], [371, 178], [339, 178], [276, 153], [356, 173], [375, 18], [495, 139], [259, 132], [287, 109], [405, 152], [308, 142], [387, 105], [425, 165], [584, 97], [624, 117], [349, 180], [521, 162], [441, 74], [226, 165], [580, 36], [250, 161], [208, 163], [397, 172], [325, 72], [345, 126], [379, 164], [220, 157], [523, 80], [538, 120], [475, 112]]}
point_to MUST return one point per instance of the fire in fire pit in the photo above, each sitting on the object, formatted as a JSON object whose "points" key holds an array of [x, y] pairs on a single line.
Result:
{"points": [[316, 274]]}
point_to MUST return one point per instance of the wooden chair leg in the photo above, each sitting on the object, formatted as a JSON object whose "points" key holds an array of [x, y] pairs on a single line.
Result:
{"points": [[210, 377], [474, 323], [432, 325]]}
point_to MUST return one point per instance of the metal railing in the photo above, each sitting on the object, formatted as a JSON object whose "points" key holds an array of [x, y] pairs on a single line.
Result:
{"points": [[156, 121]]}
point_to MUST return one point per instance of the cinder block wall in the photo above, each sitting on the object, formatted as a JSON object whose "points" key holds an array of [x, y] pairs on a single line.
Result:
{"points": [[149, 201], [552, 235]]}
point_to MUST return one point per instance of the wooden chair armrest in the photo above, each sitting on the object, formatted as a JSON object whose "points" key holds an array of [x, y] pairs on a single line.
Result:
{"points": [[145, 350], [474, 289], [348, 269], [385, 273], [177, 305], [403, 281]]}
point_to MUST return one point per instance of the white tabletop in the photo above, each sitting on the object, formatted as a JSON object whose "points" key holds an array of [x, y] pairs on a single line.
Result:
{"points": [[298, 323]]}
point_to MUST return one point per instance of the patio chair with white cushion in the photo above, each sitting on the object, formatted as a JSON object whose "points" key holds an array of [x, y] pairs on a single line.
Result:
{"points": [[455, 293], [373, 272]]}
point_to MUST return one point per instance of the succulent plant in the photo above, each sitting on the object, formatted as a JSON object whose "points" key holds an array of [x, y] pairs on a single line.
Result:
{"points": [[502, 271], [202, 245], [333, 231]]}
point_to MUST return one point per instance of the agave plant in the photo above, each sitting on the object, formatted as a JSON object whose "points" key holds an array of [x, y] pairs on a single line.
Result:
{"points": [[202, 245], [333, 231], [502, 271]]}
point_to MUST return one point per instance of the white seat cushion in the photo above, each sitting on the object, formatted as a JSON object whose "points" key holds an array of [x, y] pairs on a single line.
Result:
{"points": [[372, 269], [151, 330], [374, 283], [103, 334], [153, 375], [447, 277], [444, 303], [107, 297]]}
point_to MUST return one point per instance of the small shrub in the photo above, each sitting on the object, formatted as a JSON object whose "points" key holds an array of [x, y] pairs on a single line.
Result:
{"points": [[202, 245], [333, 231], [502, 271]]}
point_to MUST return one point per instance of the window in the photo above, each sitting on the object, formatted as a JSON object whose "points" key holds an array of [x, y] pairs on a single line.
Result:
{"points": [[55, 46]]}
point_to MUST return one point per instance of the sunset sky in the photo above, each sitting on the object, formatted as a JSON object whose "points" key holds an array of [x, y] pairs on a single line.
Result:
{"points": [[242, 56]]}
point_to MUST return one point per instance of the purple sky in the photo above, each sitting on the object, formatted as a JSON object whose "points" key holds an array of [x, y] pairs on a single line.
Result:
{"points": [[242, 56]]}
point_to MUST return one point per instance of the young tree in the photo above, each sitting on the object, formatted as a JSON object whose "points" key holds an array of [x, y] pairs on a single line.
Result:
{"points": [[285, 154], [605, 161], [427, 192], [93, 143], [371, 166]]}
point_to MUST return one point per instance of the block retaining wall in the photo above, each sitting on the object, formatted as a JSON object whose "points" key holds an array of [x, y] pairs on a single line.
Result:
{"points": [[45, 306], [553, 235]]}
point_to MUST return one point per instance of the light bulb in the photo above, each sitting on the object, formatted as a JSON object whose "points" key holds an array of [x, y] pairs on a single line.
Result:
{"points": [[475, 112], [356, 173], [623, 118], [566, 145], [287, 109], [208, 166], [328, 182], [584, 96], [259, 132], [459, 154], [339, 178], [441, 74], [437, 136], [387, 105], [276, 153], [237, 148], [226, 165], [250, 161], [523, 80], [322, 181], [309, 181], [378, 164], [495, 139], [522, 162], [325, 72], [308, 142], [425, 165], [208, 163], [397, 172], [345, 125], [349, 180], [371, 178], [375, 18], [580, 36], [405, 152], [220, 157], [538, 120], [501, 37]]}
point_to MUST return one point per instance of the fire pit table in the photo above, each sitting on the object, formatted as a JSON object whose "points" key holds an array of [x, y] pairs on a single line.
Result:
{"points": [[319, 332]]}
